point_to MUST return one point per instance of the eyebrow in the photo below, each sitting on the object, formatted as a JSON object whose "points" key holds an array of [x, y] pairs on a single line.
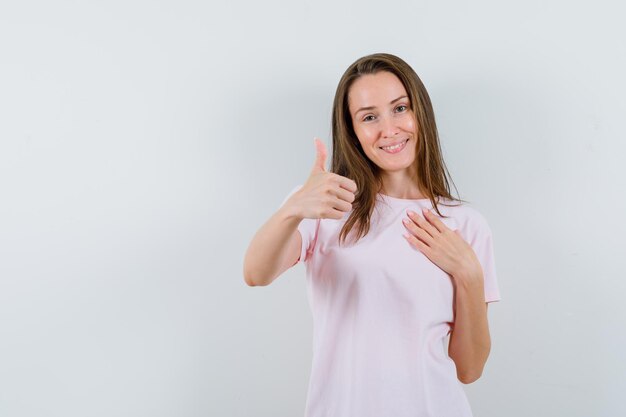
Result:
{"points": [[373, 107]]}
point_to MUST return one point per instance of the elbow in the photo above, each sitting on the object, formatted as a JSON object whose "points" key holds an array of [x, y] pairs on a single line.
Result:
{"points": [[252, 275], [468, 372], [250, 281], [469, 377], [248, 274], [247, 277]]}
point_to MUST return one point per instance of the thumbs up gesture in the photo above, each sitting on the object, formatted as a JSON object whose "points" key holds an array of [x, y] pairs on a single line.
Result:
{"points": [[325, 195]]}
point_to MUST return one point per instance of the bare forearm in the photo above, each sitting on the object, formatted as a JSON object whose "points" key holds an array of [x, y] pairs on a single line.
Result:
{"points": [[269, 246], [470, 342]]}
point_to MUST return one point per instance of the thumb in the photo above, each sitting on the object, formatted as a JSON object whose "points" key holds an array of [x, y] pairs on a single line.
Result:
{"points": [[320, 159]]}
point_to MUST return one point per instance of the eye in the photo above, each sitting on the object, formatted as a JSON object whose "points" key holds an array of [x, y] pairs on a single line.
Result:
{"points": [[367, 118], [401, 108]]}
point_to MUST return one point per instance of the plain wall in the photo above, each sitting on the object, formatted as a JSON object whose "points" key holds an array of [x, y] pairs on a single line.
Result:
{"points": [[143, 143]]}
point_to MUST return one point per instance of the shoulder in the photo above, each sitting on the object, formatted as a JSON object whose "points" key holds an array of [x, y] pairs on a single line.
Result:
{"points": [[466, 215]]}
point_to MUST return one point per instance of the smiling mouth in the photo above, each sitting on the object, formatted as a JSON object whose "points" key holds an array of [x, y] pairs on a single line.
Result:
{"points": [[394, 148]]}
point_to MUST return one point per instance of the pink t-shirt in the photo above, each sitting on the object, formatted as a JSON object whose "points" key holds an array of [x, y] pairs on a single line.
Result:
{"points": [[381, 312]]}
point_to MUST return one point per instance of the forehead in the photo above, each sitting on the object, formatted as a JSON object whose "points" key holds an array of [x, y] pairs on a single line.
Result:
{"points": [[375, 90]]}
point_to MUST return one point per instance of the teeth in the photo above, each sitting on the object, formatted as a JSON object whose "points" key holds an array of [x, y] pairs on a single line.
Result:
{"points": [[394, 147]]}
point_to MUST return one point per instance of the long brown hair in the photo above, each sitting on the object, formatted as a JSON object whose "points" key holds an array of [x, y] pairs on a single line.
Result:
{"points": [[349, 159]]}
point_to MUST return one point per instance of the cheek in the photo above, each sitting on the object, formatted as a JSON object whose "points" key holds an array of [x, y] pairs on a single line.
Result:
{"points": [[410, 123], [366, 136]]}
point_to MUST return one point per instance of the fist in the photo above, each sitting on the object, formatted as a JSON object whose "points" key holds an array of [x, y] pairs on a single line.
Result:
{"points": [[324, 195]]}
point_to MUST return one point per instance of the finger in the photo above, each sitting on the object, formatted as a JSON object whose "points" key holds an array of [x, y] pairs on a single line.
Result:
{"points": [[334, 214], [417, 231], [346, 183], [342, 205], [416, 243], [320, 158], [344, 195], [458, 232], [422, 223], [434, 220]]}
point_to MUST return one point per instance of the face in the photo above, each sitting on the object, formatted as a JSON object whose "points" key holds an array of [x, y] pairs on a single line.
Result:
{"points": [[382, 116]]}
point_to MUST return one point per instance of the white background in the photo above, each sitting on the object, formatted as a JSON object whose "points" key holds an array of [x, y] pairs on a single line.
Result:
{"points": [[143, 143]]}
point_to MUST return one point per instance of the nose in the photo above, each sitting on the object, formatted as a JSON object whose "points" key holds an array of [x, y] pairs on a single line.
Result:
{"points": [[389, 127]]}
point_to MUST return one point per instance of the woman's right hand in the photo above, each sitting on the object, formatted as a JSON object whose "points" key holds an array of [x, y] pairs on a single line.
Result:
{"points": [[325, 195]]}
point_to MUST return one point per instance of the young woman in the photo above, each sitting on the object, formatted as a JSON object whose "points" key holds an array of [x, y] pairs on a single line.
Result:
{"points": [[394, 263]]}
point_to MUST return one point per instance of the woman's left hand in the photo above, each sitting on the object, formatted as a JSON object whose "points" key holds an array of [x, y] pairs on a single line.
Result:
{"points": [[446, 248]]}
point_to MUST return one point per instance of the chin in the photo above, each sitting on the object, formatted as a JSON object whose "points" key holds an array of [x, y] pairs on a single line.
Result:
{"points": [[397, 167]]}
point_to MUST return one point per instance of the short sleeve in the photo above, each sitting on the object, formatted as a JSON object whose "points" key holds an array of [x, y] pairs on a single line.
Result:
{"points": [[307, 229], [482, 243]]}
